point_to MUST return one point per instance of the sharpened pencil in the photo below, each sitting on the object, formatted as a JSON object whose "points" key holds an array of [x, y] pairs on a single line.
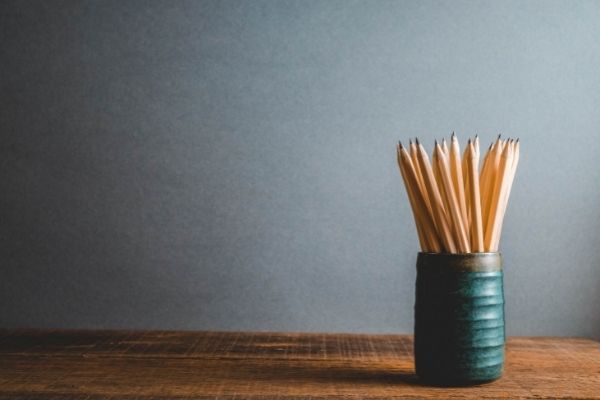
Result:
{"points": [[457, 206]]}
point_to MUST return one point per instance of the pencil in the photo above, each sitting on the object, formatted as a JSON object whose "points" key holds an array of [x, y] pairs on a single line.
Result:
{"points": [[475, 200], [435, 166], [488, 180], [499, 187], [417, 198], [415, 162], [424, 243], [457, 179], [457, 206], [437, 206], [460, 235], [506, 195]]}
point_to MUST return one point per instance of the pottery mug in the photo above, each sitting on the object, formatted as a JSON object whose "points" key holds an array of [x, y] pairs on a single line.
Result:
{"points": [[459, 318]]}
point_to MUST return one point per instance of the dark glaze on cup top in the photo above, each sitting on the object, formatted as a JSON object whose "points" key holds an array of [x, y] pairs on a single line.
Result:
{"points": [[459, 318]]}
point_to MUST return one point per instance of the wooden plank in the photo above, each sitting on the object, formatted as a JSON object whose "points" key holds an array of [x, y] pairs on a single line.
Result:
{"points": [[222, 365]]}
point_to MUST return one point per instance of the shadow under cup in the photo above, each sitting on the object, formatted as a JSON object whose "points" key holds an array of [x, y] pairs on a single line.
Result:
{"points": [[459, 318]]}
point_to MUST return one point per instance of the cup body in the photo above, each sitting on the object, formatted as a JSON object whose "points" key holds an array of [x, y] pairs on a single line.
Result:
{"points": [[459, 318]]}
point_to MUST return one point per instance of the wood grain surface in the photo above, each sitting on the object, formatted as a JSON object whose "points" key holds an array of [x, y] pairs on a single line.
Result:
{"points": [[223, 365]]}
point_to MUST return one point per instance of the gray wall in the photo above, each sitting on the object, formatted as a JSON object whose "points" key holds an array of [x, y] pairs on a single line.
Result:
{"points": [[230, 165]]}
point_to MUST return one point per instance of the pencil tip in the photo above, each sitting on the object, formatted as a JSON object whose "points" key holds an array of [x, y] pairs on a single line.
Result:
{"points": [[400, 144], [476, 136], [469, 141], [410, 142], [453, 135], [517, 141], [435, 142], [499, 136], [417, 141]]}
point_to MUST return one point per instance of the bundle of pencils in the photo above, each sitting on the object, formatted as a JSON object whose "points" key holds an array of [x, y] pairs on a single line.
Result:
{"points": [[457, 208]]}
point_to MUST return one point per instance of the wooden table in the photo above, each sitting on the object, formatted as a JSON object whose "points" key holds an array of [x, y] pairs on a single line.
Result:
{"points": [[222, 365]]}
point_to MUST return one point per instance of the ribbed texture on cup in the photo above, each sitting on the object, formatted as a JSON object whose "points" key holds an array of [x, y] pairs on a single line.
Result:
{"points": [[459, 318]]}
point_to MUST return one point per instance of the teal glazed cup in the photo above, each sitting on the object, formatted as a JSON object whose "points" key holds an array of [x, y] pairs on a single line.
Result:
{"points": [[459, 318]]}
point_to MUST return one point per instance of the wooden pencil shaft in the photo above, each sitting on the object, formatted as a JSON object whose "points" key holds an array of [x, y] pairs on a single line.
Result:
{"points": [[500, 180], [489, 181], [442, 189], [477, 244], [465, 164], [417, 218], [460, 236], [425, 204], [419, 173], [506, 194], [441, 225], [457, 180], [430, 232], [483, 178], [409, 192], [423, 215]]}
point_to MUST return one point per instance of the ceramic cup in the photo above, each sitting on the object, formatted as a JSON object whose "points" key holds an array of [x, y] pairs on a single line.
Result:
{"points": [[459, 318]]}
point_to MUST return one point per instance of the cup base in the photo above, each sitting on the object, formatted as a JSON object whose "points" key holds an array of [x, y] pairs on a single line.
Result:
{"points": [[461, 383], [473, 378]]}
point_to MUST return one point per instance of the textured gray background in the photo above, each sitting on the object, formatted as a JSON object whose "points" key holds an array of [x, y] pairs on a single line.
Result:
{"points": [[230, 165]]}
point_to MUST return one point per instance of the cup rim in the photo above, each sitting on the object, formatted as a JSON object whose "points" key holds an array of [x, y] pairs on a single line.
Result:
{"points": [[463, 262]]}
